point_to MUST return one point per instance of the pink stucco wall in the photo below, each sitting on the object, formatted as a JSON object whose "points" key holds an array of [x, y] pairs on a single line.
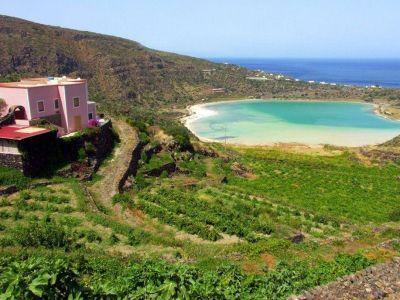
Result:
{"points": [[72, 91], [15, 96], [47, 94], [28, 97]]}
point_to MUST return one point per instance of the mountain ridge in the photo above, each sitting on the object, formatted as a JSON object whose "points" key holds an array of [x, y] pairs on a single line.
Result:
{"points": [[124, 74]]}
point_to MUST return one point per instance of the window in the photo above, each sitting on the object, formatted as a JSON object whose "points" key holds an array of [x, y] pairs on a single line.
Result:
{"points": [[40, 106], [76, 102], [90, 116], [56, 104]]}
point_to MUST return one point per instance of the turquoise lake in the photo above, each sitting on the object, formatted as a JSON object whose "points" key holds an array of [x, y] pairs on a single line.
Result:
{"points": [[262, 122]]}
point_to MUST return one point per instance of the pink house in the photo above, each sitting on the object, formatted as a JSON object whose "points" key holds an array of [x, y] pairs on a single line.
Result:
{"points": [[62, 101]]}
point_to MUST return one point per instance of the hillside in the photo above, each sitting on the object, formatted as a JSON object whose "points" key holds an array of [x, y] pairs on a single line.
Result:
{"points": [[224, 223], [123, 72]]}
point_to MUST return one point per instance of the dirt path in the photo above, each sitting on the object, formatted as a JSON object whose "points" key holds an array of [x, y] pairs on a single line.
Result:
{"points": [[112, 172]]}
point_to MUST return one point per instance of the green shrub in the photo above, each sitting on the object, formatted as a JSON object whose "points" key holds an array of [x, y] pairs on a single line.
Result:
{"points": [[4, 214], [90, 149], [24, 195], [270, 245], [180, 134], [6, 242], [92, 236], [5, 202], [144, 157], [70, 222], [143, 137], [81, 154], [16, 215], [137, 237], [141, 182], [113, 239], [13, 177], [48, 235], [164, 174], [122, 199]]}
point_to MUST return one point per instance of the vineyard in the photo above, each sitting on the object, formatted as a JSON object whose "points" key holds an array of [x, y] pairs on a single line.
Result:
{"points": [[211, 212], [244, 224], [340, 186]]}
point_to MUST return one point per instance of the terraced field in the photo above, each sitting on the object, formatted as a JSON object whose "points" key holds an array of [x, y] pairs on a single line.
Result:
{"points": [[211, 212], [270, 223], [339, 186]]}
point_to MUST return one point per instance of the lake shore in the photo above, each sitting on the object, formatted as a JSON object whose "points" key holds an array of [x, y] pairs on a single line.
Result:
{"points": [[203, 110]]}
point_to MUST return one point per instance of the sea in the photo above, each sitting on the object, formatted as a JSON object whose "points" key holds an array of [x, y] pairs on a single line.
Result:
{"points": [[357, 72]]}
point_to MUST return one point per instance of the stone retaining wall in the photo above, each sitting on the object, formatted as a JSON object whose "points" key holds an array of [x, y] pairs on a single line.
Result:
{"points": [[11, 161], [377, 282], [133, 166]]}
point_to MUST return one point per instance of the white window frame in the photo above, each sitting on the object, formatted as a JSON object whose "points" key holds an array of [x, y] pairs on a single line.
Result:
{"points": [[37, 104], [90, 118], [73, 102], [58, 104]]}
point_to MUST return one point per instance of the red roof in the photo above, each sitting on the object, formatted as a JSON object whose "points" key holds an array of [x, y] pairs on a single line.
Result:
{"points": [[19, 133]]}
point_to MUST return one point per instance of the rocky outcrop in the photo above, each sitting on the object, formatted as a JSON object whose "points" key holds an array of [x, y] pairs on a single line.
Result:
{"points": [[240, 170], [377, 282], [203, 150], [297, 238], [382, 155], [168, 167], [150, 150]]}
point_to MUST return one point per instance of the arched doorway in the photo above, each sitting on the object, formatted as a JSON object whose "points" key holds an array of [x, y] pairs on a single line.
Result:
{"points": [[19, 112]]}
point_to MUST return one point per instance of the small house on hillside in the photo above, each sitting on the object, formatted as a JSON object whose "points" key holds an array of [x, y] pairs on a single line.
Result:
{"points": [[62, 101]]}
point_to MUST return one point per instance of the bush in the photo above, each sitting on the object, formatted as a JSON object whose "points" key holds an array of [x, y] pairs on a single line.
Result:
{"points": [[24, 195], [180, 135], [6, 242], [48, 235], [141, 182], [143, 137], [13, 177], [92, 236], [113, 239], [90, 149], [137, 237], [81, 154], [122, 199]]}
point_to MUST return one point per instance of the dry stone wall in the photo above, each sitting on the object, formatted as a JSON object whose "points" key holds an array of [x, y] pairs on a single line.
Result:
{"points": [[377, 282]]}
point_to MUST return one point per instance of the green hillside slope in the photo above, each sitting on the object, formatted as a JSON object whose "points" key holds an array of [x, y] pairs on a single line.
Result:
{"points": [[120, 69]]}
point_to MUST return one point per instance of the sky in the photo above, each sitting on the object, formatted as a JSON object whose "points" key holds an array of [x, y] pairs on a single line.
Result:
{"points": [[233, 28]]}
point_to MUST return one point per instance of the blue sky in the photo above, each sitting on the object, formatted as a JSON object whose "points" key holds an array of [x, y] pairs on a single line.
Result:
{"points": [[233, 28]]}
